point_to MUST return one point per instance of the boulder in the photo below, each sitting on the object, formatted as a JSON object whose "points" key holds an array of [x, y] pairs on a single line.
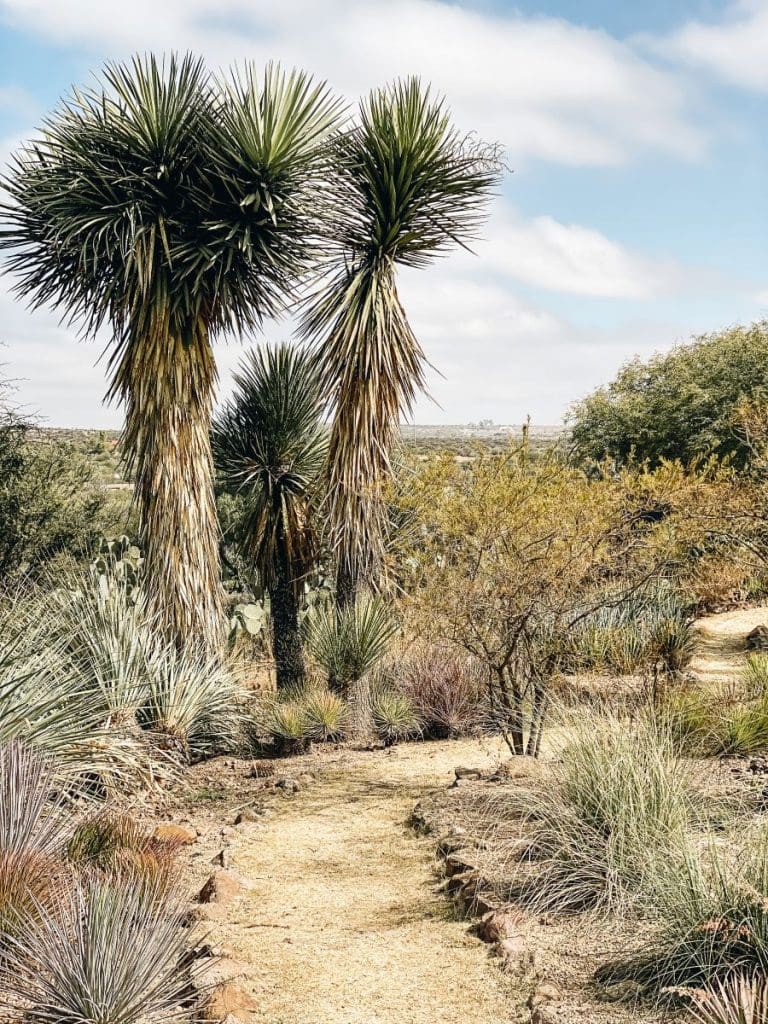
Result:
{"points": [[225, 999], [176, 835]]}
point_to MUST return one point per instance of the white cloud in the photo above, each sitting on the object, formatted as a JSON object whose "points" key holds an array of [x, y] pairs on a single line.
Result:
{"points": [[571, 258], [545, 88], [734, 48]]}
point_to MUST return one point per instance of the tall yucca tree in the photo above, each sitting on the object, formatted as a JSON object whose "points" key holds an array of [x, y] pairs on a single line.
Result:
{"points": [[410, 187], [270, 444], [171, 208]]}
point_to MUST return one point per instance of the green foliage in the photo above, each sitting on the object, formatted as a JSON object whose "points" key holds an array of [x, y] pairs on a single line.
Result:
{"points": [[756, 674], [347, 643], [394, 717], [48, 503], [287, 723], [678, 405], [713, 724]]}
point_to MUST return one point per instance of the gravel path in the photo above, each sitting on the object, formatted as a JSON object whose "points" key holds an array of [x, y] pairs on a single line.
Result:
{"points": [[341, 923]]}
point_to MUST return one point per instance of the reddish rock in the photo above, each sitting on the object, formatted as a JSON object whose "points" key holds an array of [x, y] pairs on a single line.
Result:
{"points": [[227, 998], [221, 887]]}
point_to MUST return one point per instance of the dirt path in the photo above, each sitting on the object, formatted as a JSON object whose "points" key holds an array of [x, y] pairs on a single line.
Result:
{"points": [[341, 923], [721, 643]]}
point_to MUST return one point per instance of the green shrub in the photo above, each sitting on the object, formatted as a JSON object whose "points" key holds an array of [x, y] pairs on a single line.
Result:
{"points": [[755, 674], [680, 404], [286, 722], [394, 717], [595, 828], [717, 725]]}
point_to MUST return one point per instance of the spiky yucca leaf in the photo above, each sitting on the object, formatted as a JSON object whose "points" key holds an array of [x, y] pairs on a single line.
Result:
{"points": [[409, 188], [171, 208], [108, 953], [327, 715], [347, 643], [743, 999], [394, 716]]}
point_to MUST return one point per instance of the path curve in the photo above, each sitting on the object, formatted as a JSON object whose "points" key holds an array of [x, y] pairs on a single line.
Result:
{"points": [[342, 924]]}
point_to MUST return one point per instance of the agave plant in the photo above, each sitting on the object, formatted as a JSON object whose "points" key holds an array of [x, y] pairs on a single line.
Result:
{"points": [[409, 188], [108, 953], [347, 643], [171, 208], [269, 444]]}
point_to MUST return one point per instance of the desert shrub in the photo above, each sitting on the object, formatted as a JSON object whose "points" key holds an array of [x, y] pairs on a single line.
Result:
{"points": [[717, 724], [326, 714], [742, 999], [118, 845], [446, 690], [48, 503], [680, 404], [594, 829], [108, 953], [349, 642], [394, 716], [711, 906], [285, 721]]}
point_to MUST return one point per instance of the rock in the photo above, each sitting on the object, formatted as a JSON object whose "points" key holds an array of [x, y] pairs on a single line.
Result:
{"points": [[458, 783], [622, 991], [467, 773], [306, 779], [223, 971], [497, 925], [177, 835], [221, 859], [261, 769], [512, 950], [457, 863], [251, 813], [221, 887], [288, 786], [545, 992], [227, 998], [757, 639]]}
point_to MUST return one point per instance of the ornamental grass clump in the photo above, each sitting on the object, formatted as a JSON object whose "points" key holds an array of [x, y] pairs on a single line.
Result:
{"points": [[447, 690], [394, 717], [596, 827], [326, 714]]}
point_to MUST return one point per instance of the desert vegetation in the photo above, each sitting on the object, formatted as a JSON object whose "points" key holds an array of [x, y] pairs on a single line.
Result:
{"points": [[291, 581]]}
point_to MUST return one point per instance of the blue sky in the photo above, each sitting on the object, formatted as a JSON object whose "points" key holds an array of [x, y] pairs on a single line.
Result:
{"points": [[636, 216]]}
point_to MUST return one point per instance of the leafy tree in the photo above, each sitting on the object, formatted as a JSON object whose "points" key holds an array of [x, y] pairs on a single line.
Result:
{"points": [[171, 208], [409, 188], [47, 502], [269, 445], [683, 404]]}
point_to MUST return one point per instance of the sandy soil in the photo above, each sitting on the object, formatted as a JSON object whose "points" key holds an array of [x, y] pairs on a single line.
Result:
{"points": [[340, 921], [722, 643]]}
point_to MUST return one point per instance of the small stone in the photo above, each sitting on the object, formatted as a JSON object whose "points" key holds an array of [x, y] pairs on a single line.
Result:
{"points": [[227, 998], [545, 992], [458, 783], [467, 773], [622, 991], [497, 925], [457, 863], [288, 785], [221, 859], [250, 813], [221, 887], [177, 835]]}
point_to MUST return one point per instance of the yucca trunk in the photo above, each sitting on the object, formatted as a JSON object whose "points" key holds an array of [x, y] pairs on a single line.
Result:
{"points": [[286, 636], [167, 383]]}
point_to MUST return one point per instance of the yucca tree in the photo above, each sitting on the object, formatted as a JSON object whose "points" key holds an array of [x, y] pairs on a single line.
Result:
{"points": [[171, 208], [409, 188], [270, 444]]}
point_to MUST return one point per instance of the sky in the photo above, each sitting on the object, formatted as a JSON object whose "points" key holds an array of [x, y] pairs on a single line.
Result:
{"points": [[634, 216]]}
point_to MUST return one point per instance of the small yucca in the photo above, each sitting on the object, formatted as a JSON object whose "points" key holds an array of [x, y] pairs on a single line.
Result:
{"points": [[326, 715], [108, 953], [740, 1000], [394, 717], [287, 723]]}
